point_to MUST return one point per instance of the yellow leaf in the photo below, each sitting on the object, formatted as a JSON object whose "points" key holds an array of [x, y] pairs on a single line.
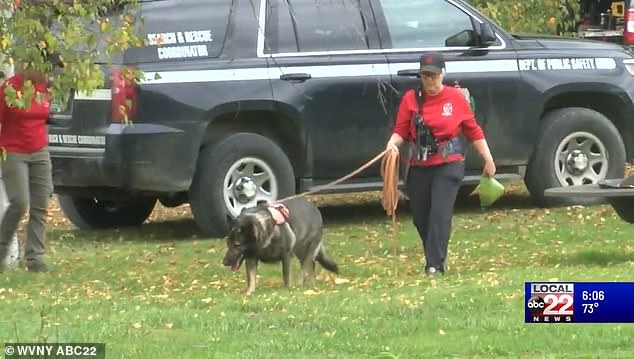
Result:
{"points": [[442, 332], [137, 325], [169, 325], [206, 300], [341, 280], [310, 292], [4, 42]]}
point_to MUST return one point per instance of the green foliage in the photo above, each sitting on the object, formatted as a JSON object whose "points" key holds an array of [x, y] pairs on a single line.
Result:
{"points": [[531, 16], [85, 34]]}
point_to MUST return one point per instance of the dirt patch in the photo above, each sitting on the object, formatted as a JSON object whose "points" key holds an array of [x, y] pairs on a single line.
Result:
{"points": [[56, 218]]}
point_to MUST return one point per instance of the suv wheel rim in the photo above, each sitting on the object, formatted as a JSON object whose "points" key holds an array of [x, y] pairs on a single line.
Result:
{"points": [[248, 181], [581, 158]]}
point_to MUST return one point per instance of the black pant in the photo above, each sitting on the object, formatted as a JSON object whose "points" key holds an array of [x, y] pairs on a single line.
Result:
{"points": [[432, 192]]}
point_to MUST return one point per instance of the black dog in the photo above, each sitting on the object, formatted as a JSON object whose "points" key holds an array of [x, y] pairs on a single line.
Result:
{"points": [[272, 233]]}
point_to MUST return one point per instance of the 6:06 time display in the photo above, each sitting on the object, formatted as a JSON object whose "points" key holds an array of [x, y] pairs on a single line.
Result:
{"points": [[592, 295]]}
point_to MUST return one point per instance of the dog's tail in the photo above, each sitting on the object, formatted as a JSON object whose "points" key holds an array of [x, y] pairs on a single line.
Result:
{"points": [[326, 261]]}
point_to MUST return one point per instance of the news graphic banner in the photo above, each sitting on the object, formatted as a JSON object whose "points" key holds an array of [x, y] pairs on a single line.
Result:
{"points": [[579, 302], [54, 350]]}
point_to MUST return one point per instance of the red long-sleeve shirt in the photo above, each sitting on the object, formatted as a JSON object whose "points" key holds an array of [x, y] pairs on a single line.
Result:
{"points": [[447, 114], [24, 130]]}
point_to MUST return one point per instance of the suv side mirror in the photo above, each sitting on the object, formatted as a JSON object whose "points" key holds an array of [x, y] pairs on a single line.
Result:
{"points": [[463, 38], [486, 34]]}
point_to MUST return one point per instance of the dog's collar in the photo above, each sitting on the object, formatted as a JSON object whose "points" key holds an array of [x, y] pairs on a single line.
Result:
{"points": [[279, 212]]}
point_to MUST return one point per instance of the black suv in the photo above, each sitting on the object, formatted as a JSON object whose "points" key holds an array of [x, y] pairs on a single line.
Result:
{"points": [[248, 100]]}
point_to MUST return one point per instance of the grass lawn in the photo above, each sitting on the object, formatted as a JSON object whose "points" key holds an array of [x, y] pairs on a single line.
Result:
{"points": [[161, 291]]}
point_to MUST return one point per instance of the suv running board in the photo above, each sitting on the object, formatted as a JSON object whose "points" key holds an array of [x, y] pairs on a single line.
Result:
{"points": [[378, 185]]}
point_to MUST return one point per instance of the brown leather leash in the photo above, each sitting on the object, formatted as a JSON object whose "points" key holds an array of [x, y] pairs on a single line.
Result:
{"points": [[389, 174]]}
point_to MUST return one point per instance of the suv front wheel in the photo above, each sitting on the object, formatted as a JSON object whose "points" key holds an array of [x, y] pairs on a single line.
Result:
{"points": [[236, 173], [576, 146]]}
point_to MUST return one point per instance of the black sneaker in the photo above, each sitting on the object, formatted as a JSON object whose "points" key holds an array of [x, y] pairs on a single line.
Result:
{"points": [[36, 266], [434, 272]]}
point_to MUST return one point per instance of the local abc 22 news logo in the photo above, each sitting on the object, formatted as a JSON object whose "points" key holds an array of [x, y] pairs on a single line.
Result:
{"points": [[551, 303]]}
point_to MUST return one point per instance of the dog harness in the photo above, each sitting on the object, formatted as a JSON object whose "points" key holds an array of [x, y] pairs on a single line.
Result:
{"points": [[279, 212]]}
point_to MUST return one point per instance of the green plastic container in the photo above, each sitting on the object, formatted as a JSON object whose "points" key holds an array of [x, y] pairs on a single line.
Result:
{"points": [[490, 191]]}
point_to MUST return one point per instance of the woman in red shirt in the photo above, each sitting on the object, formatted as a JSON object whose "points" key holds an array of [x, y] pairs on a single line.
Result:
{"points": [[436, 171], [26, 166]]}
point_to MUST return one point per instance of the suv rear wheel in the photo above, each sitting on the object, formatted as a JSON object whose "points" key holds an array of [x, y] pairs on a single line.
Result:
{"points": [[236, 173], [576, 146], [92, 213]]}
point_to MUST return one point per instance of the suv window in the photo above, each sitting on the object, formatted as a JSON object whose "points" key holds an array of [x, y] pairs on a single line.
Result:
{"points": [[423, 23], [181, 30], [314, 25]]}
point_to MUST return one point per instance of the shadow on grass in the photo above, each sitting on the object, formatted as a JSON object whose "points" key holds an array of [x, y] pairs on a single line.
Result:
{"points": [[593, 258], [153, 232]]}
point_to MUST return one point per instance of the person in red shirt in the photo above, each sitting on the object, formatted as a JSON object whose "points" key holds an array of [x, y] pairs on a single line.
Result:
{"points": [[436, 169], [26, 165]]}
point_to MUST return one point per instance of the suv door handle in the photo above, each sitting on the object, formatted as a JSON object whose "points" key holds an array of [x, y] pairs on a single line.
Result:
{"points": [[295, 77], [414, 73]]}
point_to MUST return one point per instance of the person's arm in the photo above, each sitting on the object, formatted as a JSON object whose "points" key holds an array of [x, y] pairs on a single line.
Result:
{"points": [[400, 132], [473, 132], [483, 150]]}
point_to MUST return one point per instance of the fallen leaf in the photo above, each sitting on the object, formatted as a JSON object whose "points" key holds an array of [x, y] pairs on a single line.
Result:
{"points": [[442, 332], [341, 280]]}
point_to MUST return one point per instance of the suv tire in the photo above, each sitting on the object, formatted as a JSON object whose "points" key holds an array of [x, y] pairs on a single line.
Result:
{"points": [[92, 213], [226, 179], [570, 139]]}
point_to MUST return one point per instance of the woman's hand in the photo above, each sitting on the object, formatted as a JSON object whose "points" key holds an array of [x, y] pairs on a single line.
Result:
{"points": [[391, 147], [393, 143], [489, 169]]}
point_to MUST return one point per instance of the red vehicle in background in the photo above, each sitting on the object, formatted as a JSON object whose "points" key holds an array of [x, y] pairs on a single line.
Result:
{"points": [[606, 20]]}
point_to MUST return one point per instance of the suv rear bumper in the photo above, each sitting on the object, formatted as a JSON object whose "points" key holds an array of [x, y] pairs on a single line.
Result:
{"points": [[139, 157]]}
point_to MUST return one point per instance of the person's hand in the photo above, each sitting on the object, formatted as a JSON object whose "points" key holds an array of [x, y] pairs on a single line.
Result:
{"points": [[489, 169], [391, 147]]}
